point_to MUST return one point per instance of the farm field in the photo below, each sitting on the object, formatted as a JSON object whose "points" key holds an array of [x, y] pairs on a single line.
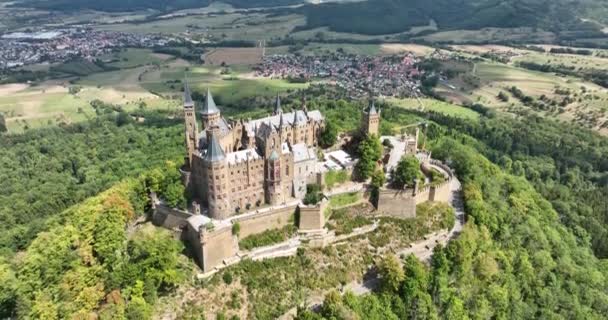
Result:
{"points": [[437, 106], [587, 101], [489, 34], [416, 49], [51, 104], [233, 56], [569, 60], [225, 26], [133, 57]]}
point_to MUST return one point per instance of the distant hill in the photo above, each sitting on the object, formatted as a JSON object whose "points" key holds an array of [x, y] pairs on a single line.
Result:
{"points": [[131, 5], [391, 16]]}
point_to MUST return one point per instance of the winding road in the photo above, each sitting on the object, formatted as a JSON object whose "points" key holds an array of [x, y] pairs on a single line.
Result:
{"points": [[423, 250]]}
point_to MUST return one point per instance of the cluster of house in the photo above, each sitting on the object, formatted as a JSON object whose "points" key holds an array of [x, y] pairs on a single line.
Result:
{"points": [[23, 48], [357, 74]]}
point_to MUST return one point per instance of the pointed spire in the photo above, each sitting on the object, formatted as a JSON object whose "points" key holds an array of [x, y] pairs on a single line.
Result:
{"points": [[209, 106], [304, 107], [296, 119], [214, 150], [372, 107], [281, 122], [277, 106], [188, 102]]}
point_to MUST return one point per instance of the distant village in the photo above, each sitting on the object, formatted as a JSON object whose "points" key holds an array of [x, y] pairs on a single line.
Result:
{"points": [[25, 48], [358, 74]]}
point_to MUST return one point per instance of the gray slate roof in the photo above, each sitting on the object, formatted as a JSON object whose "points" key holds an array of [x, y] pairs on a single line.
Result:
{"points": [[372, 108], [214, 150], [296, 117], [209, 106], [188, 102], [277, 106]]}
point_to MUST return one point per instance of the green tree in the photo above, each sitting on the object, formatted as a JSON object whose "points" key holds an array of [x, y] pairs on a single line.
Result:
{"points": [[370, 151], [138, 308], [109, 235], [8, 294], [174, 195], [328, 135], [378, 179], [2, 123], [406, 172], [391, 273]]}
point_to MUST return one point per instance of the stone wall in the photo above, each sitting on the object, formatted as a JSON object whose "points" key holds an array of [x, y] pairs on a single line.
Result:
{"points": [[169, 218], [312, 217], [440, 193], [260, 222], [216, 246], [397, 203]]}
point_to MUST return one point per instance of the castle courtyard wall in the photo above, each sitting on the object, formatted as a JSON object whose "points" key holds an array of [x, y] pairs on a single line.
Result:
{"points": [[396, 203], [312, 217], [169, 218], [260, 222], [216, 246]]}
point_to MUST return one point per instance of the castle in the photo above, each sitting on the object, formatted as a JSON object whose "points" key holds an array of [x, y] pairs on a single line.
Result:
{"points": [[232, 165]]}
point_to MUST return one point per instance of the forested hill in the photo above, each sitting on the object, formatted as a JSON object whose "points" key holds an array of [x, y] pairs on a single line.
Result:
{"points": [[161, 5], [392, 16]]}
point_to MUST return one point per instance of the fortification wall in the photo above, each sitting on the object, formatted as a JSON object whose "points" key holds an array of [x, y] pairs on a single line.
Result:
{"points": [[397, 203], [441, 193], [169, 218], [192, 238], [216, 246], [312, 217], [260, 222], [423, 195]]}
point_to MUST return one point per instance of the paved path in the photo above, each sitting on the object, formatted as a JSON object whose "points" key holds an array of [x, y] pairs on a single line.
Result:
{"points": [[423, 250]]}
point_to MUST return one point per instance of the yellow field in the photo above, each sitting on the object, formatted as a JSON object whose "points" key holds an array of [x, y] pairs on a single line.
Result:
{"points": [[396, 48], [232, 56]]}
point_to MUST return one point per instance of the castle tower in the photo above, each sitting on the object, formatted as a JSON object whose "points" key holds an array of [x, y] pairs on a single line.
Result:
{"points": [[273, 178], [190, 122], [296, 129], [371, 120], [210, 113], [217, 186], [277, 106]]}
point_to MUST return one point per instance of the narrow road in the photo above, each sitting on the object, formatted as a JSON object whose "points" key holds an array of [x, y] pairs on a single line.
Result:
{"points": [[423, 250]]}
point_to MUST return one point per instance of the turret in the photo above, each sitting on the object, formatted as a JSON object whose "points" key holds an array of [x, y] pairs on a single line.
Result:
{"points": [[273, 178], [191, 127], [210, 112], [277, 106], [371, 120], [217, 192]]}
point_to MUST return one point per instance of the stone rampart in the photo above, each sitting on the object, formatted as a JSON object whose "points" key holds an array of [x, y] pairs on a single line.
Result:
{"points": [[440, 193], [169, 218], [216, 246], [260, 222], [312, 217], [397, 203]]}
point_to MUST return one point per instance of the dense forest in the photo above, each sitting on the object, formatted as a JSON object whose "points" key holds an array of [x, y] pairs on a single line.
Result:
{"points": [[514, 260], [392, 16], [161, 5], [44, 171], [566, 164]]}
